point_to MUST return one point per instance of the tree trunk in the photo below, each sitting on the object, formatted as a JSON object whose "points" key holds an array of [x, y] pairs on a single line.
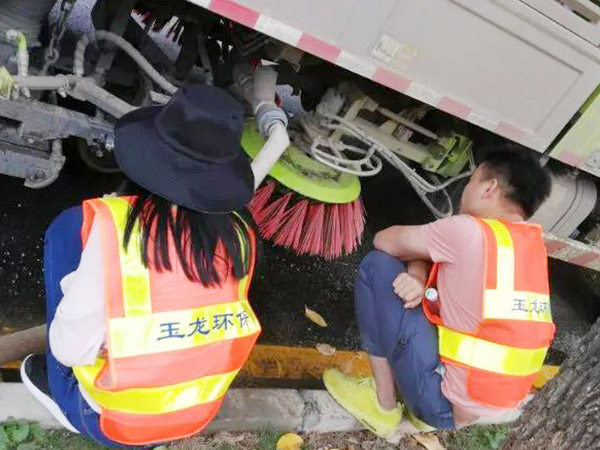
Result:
{"points": [[565, 415]]}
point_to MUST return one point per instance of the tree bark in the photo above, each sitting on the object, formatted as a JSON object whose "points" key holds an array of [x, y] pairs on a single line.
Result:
{"points": [[565, 415], [17, 345]]}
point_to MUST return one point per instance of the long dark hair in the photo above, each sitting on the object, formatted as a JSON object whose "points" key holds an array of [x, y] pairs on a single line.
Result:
{"points": [[195, 235]]}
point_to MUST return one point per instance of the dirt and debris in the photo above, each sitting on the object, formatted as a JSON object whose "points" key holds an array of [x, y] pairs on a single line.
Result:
{"points": [[25, 214], [267, 440]]}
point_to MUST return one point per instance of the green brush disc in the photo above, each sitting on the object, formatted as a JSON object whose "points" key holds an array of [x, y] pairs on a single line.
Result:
{"points": [[302, 174]]}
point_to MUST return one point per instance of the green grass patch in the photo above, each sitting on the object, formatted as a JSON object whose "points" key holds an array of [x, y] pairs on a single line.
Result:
{"points": [[478, 438], [64, 440], [267, 439], [21, 435], [27, 436]]}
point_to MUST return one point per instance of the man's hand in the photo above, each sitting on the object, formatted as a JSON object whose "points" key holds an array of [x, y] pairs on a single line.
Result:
{"points": [[410, 289]]}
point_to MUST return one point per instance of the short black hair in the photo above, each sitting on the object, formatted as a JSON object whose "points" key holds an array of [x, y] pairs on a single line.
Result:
{"points": [[525, 182]]}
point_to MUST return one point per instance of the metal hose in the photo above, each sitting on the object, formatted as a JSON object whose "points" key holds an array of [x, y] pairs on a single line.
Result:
{"points": [[25, 16], [102, 35]]}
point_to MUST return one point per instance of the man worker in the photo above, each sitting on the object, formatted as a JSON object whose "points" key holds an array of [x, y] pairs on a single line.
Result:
{"points": [[474, 349]]}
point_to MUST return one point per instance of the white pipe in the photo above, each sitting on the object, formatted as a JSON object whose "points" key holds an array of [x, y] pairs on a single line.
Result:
{"points": [[263, 87], [272, 150], [42, 83]]}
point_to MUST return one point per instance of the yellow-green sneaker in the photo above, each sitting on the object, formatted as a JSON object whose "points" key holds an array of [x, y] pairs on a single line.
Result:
{"points": [[358, 396], [419, 424]]}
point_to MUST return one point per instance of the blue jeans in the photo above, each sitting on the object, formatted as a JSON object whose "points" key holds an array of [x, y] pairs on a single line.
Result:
{"points": [[62, 252], [404, 337]]}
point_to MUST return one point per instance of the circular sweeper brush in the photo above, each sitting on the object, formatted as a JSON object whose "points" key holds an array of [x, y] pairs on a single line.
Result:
{"points": [[305, 205]]}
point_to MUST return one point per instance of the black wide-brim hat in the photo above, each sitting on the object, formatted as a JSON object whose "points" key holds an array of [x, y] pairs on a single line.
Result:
{"points": [[188, 151]]}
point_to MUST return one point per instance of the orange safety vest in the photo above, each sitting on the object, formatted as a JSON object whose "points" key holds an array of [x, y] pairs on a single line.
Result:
{"points": [[504, 356], [174, 346]]}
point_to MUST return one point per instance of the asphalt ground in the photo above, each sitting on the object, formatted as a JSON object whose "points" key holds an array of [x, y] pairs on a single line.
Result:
{"points": [[285, 283]]}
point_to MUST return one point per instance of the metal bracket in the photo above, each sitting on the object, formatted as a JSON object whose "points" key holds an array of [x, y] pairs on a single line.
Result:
{"points": [[37, 168], [43, 121]]}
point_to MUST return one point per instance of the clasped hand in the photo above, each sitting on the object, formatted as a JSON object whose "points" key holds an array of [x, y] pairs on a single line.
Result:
{"points": [[410, 289]]}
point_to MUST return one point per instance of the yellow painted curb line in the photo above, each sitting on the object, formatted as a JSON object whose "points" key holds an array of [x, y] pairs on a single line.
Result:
{"points": [[302, 363], [297, 363], [15, 365]]}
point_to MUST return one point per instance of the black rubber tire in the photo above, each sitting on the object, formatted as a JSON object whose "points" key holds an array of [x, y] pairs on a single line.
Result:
{"points": [[106, 164]]}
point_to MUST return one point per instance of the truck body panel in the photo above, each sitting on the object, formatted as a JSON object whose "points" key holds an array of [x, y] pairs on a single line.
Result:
{"points": [[499, 64]]}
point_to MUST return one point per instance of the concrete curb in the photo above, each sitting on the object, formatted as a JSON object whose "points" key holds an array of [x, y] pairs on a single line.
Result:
{"points": [[243, 410]]}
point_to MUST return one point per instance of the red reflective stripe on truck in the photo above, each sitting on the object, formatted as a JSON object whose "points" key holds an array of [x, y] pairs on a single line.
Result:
{"points": [[571, 158], [510, 132], [391, 80], [585, 259], [235, 11], [455, 108], [553, 247], [319, 48]]}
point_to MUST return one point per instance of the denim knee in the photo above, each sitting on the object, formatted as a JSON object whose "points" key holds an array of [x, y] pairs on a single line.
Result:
{"points": [[377, 262]]}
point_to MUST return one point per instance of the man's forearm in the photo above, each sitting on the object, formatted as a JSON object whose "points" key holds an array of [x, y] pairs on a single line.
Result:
{"points": [[407, 243], [419, 269]]}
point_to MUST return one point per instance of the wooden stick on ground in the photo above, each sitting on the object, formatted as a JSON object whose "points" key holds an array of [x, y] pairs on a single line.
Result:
{"points": [[17, 345]]}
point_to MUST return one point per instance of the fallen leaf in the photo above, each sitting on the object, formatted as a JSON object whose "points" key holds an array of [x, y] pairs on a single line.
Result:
{"points": [[429, 441], [315, 317], [290, 441], [326, 349], [546, 374]]}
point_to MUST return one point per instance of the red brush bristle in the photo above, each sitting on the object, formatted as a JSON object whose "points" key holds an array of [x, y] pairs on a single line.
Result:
{"points": [[290, 233], [348, 230], [270, 218], [333, 237], [261, 198], [308, 227], [359, 218], [313, 235]]}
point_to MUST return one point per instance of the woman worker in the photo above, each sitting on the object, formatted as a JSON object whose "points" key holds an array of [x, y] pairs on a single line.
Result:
{"points": [[147, 308]]}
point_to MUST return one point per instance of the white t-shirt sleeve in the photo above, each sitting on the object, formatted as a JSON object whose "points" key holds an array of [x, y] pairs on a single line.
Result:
{"points": [[78, 329]]}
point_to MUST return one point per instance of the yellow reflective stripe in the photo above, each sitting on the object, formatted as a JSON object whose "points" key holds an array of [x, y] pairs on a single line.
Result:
{"points": [[505, 264], [158, 400], [489, 356], [517, 305], [180, 330], [243, 282], [135, 276], [243, 286]]}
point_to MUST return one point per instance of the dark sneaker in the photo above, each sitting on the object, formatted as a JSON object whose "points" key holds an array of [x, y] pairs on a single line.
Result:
{"points": [[34, 375]]}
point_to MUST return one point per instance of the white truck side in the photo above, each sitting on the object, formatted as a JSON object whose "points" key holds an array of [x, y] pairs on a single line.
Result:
{"points": [[522, 69]]}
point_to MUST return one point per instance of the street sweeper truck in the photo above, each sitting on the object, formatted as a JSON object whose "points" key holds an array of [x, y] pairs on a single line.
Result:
{"points": [[417, 86]]}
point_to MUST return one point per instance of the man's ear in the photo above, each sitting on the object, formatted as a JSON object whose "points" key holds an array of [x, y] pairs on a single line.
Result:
{"points": [[490, 188]]}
